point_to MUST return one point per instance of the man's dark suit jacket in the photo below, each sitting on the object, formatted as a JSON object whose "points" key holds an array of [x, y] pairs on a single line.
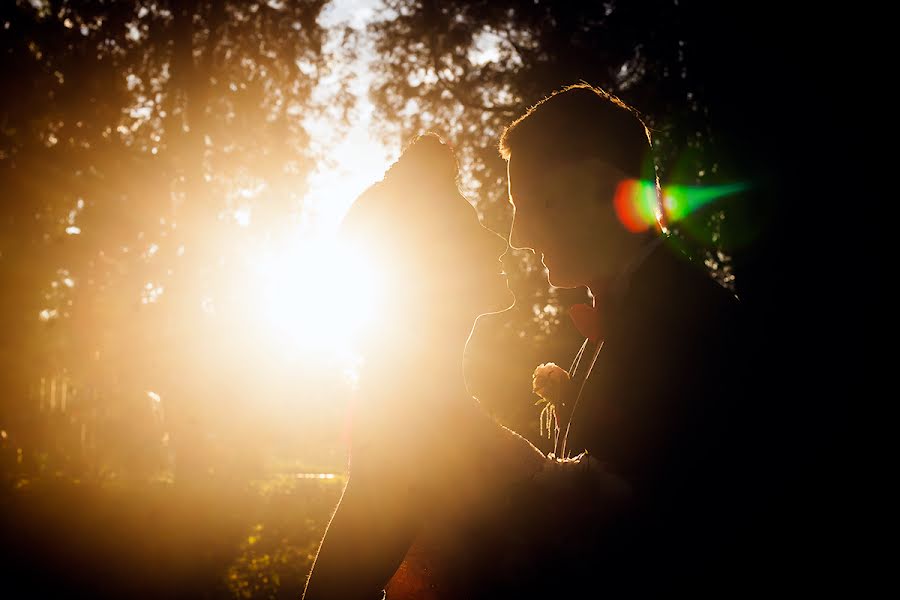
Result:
{"points": [[676, 406]]}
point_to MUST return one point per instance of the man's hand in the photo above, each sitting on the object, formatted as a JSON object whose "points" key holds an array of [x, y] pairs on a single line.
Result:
{"points": [[582, 485]]}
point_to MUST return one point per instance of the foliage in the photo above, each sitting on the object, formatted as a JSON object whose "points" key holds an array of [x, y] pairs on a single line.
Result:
{"points": [[138, 140]]}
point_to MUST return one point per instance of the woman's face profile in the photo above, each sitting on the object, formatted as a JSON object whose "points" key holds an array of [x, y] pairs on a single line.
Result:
{"points": [[479, 252]]}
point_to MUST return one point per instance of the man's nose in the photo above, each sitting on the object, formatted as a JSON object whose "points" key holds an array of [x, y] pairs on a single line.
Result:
{"points": [[517, 239]]}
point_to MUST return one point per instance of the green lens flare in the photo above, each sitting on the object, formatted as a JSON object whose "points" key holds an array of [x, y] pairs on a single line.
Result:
{"points": [[636, 206]]}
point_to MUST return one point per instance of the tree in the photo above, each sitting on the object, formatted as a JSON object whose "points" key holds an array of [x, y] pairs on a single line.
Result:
{"points": [[133, 134]]}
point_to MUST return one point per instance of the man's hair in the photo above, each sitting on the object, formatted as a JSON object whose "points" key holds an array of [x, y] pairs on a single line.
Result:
{"points": [[582, 121]]}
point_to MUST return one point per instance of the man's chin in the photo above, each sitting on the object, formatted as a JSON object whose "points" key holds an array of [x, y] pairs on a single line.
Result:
{"points": [[558, 278], [562, 282]]}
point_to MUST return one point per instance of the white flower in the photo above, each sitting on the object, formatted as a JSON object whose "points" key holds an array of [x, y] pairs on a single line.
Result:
{"points": [[547, 382]]}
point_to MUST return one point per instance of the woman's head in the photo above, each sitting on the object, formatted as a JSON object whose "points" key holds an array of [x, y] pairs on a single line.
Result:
{"points": [[426, 239]]}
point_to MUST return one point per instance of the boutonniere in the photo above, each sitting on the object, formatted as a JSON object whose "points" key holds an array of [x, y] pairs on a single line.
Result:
{"points": [[549, 382]]}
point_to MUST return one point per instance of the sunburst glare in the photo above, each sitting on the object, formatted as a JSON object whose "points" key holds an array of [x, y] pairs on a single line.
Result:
{"points": [[315, 296]]}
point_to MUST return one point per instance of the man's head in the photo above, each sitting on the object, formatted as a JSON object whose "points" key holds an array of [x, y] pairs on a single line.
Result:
{"points": [[566, 158]]}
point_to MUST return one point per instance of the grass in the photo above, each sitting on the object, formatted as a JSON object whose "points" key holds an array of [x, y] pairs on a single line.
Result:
{"points": [[204, 539]]}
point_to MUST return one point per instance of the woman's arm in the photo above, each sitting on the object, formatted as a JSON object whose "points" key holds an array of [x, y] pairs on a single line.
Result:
{"points": [[366, 540]]}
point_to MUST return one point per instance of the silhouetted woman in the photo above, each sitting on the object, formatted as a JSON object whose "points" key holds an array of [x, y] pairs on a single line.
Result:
{"points": [[428, 466]]}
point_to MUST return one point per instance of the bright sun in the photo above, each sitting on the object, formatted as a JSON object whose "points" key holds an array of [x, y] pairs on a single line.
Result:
{"points": [[313, 294], [316, 295]]}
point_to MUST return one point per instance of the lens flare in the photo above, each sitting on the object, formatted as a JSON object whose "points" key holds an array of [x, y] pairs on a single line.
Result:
{"points": [[636, 202]]}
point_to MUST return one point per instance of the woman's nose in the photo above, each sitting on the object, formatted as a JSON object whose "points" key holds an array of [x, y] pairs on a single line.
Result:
{"points": [[495, 242]]}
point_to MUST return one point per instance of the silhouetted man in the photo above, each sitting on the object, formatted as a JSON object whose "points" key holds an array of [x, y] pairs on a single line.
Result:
{"points": [[661, 391]]}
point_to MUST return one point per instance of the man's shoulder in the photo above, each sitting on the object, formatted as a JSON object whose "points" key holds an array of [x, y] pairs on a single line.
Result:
{"points": [[673, 285], [676, 327]]}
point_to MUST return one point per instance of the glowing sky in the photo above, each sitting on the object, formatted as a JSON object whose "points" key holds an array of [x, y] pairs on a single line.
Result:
{"points": [[354, 159]]}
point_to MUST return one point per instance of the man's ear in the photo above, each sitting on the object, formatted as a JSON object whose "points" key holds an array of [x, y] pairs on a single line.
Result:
{"points": [[565, 180], [602, 170], [575, 181], [599, 178]]}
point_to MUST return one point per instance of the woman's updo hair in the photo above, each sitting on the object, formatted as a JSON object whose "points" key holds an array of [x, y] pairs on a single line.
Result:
{"points": [[410, 199], [426, 162]]}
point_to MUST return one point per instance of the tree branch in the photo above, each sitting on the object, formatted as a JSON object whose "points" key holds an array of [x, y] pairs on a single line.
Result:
{"points": [[465, 101]]}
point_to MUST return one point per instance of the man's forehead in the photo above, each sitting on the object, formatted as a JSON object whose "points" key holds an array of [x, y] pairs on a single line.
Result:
{"points": [[529, 174], [522, 165]]}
